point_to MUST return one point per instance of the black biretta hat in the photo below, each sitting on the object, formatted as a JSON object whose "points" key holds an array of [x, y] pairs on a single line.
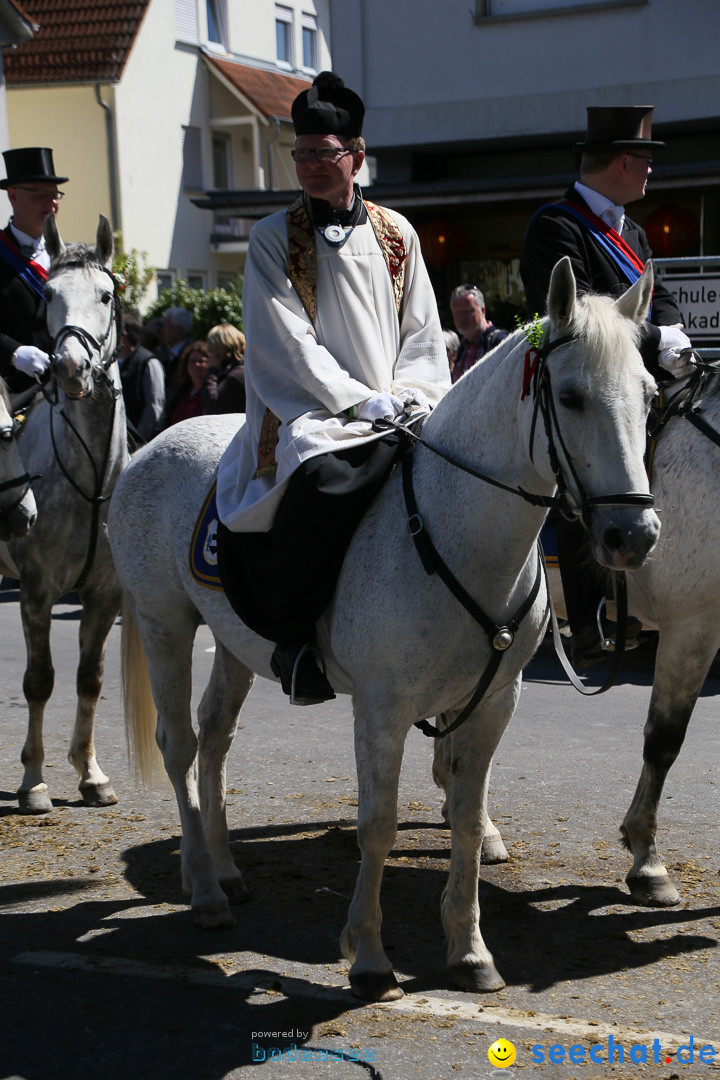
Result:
{"points": [[28, 164], [328, 107], [620, 127]]}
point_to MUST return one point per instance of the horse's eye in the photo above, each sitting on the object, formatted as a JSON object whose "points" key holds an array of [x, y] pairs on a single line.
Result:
{"points": [[571, 399], [106, 298], [48, 293]]}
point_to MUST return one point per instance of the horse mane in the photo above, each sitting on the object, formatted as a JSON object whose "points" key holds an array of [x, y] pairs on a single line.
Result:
{"points": [[606, 331], [77, 254]]}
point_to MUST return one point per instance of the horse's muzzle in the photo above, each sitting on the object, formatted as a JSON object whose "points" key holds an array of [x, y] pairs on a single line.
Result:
{"points": [[622, 545]]}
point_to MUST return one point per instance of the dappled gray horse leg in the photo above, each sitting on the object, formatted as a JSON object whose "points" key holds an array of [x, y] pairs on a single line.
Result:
{"points": [[679, 675], [379, 742], [493, 849], [169, 656], [99, 612], [470, 963], [229, 685], [38, 683]]}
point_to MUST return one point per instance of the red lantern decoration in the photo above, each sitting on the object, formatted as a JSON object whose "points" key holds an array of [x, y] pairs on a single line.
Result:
{"points": [[441, 241], [672, 231]]}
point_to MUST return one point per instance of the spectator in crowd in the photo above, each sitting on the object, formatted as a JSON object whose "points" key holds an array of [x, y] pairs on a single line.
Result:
{"points": [[224, 387], [143, 384], [478, 335], [176, 330], [32, 187], [452, 343], [186, 401]]}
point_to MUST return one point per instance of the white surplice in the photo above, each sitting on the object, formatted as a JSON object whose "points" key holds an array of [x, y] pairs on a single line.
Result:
{"points": [[309, 376]]}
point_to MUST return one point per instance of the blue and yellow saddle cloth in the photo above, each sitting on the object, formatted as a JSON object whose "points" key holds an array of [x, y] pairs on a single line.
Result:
{"points": [[203, 545]]}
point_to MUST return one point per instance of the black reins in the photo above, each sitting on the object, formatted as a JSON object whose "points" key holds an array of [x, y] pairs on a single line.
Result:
{"points": [[502, 635]]}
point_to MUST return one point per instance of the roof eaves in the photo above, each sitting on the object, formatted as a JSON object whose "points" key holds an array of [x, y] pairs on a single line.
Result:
{"points": [[229, 85]]}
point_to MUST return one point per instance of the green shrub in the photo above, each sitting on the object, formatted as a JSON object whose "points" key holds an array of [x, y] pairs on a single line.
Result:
{"points": [[209, 307]]}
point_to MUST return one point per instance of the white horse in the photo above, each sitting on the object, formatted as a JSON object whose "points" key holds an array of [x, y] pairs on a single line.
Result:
{"points": [[18, 510], [395, 637], [75, 442]]}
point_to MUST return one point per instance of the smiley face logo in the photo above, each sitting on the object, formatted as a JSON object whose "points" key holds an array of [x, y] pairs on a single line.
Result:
{"points": [[502, 1053]]}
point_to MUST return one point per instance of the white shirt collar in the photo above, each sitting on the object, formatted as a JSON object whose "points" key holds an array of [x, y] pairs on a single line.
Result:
{"points": [[37, 243], [602, 206]]}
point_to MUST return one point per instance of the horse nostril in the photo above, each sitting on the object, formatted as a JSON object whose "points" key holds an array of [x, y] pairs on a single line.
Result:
{"points": [[613, 540]]}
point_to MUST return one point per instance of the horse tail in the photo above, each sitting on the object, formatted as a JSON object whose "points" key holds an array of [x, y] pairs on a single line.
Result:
{"points": [[140, 712]]}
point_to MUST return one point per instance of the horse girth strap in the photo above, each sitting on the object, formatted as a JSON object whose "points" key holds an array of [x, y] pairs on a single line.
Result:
{"points": [[302, 274], [500, 635]]}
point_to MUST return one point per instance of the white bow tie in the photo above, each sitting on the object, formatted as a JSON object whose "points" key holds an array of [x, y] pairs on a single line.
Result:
{"points": [[614, 216]]}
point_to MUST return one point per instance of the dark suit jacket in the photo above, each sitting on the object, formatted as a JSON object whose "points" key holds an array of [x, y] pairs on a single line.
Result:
{"points": [[551, 235], [22, 322]]}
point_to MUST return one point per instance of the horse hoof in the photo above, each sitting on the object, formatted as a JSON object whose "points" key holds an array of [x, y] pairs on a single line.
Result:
{"points": [[478, 979], [234, 889], [35, 801], [493, 851], [375, 986], [654, 891], [214, 916], [98, 794]]}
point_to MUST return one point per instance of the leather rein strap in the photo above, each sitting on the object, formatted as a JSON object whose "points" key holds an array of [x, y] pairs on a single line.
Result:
{"points": [[500, 635]]}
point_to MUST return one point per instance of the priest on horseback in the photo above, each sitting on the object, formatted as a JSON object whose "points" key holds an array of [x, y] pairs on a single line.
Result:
{"points": [[608, 252], [342, 329]]}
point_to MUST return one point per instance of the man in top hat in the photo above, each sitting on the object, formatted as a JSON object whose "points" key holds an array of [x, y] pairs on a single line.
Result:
{"points": [[32, 187], [608, 252], [342, 328]]}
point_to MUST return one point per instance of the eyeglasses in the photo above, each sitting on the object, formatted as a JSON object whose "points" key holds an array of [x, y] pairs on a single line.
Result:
{"points": [[197, 359], [325, 153], [641, 157], [42, 196]]}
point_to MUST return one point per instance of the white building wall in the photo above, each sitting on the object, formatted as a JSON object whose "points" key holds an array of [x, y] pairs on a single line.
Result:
{"points": [[428, 74]]}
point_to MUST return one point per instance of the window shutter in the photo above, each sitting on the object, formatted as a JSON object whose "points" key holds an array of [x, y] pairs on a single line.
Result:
{"points": [[186, 21], [192, 160]]}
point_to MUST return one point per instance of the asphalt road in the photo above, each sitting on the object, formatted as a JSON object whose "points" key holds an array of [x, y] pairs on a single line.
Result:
{"points": [[103, 974]]}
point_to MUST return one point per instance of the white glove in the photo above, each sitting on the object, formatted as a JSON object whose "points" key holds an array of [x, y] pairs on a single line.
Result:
{"points": [[675, 351], [379, 405], [414, 397], [30, 360]]}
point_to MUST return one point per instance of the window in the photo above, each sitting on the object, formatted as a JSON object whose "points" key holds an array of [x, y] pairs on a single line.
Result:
{"points": [[309, 42], [528, 8], [192, 179], [222, 172], [284, 35], [216, 22], [196, 279], [165, 280]]}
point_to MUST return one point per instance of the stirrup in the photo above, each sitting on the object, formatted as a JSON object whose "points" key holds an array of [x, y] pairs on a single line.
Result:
{"points": [[319, 656], [608, 643]]}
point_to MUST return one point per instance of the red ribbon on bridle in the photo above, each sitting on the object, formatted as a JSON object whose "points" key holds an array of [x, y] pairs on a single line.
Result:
{"points": [[528, 372]]}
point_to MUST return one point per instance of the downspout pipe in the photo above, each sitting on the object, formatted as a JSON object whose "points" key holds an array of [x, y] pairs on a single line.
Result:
{"points": [[273, 139], [112, 164]]}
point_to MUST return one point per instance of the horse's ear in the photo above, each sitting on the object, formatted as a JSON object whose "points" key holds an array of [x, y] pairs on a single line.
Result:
{"points": [[104, 241], [53, 242], [562, 294], [635, 302]]}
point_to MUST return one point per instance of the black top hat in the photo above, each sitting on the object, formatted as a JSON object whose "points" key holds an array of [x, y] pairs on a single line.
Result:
{"points": [[328, 108], [28, 164], [618, 127]]}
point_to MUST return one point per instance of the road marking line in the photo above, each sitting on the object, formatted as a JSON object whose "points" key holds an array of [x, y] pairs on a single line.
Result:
{"points": [[445, 1008]]}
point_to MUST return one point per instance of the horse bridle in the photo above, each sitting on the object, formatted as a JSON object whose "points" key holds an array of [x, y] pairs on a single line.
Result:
{"points": [[502, 635], [89, 343], [85, 338], [25, 481]]}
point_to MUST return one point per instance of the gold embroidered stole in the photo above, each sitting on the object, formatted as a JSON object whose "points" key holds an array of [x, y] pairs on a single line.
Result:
{"points": [[302, 272]]}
